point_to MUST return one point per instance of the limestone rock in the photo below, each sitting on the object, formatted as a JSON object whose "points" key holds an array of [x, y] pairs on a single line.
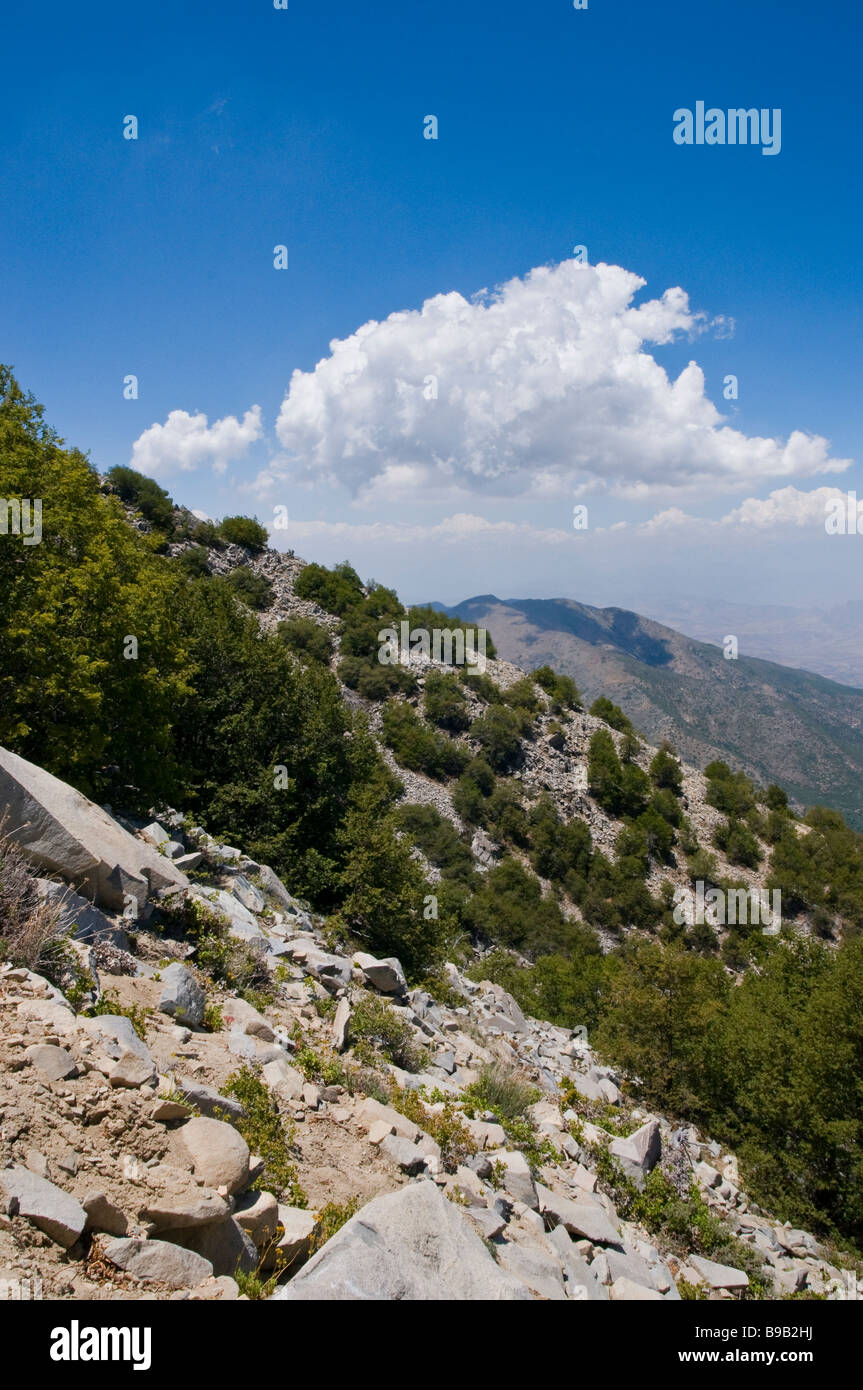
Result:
{"points": [[640, 1152], [386, 976], [408, 1245], [219, 1154], [719, 1276], [223, 1244], [258, 1214], [159, 1259], [50, 1208], [103, 1215], [182, 997], [55, 1063], [63, 832], [580, 1216]]}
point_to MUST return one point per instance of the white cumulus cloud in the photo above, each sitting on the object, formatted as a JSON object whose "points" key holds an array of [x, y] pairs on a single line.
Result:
{"points": [[786, 507], [545, 386], [186, 442]]}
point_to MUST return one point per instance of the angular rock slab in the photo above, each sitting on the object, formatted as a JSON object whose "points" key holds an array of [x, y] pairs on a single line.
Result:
{"points": [[410, 1245], [580, 1216], [182, 997], [640, 1152], [62, 831], [719, 1276], [50, 1208], [158, 1259], [386, 975]]}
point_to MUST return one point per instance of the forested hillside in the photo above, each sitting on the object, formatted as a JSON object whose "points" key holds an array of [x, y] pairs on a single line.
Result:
{"points": [[149, 658]]}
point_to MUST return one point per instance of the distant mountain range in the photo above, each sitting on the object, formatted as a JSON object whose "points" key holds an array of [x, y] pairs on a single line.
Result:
{"points": [[828, 641], [775, 722]]}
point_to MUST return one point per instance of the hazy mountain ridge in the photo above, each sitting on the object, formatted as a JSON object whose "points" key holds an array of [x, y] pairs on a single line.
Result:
{"points": [[775, 722]]}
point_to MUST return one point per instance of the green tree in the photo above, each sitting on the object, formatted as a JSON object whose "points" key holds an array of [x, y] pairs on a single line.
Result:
{"points": [[498, 733], [444, 703], [246, 531], [383, 889], [659, 1006]]}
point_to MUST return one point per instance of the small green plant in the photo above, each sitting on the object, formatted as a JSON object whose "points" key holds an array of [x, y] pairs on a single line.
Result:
{"points": [[324, 1071], [376, 1028], [331, 1218], [213, 1021], [266, 1134], [497, 1176], [110, 1003], [177, 1097], [692, 1292], [446, 1126], [502, 1090], [252, 1282]]}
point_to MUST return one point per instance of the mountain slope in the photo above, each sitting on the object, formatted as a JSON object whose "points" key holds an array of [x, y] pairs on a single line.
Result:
{"points": [[774, 722]]}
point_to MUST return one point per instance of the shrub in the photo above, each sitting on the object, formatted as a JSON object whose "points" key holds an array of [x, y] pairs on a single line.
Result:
{"points": [[432, 619], [243, 530], [620, 789], [420, 748], [383, 889], [730, 792], [374, 680], [334, 590], [444, 703], [738, 844], [331, 1218], [438, 839], [665, 770], [603, 708], [323, 1070], [266, 1134], [521, 695], [562, 691], [307, 639], [109, 1003], [558, 847], [499, 1088], [31, 930], [151, 500], [445, 1126], [375, 1027], [253, 589], [481, 685], [194, 562], [229, 962], [498, 733], [509, 910]]}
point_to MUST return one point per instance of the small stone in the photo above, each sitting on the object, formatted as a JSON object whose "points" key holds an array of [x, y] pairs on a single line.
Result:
{"points": [[55, 1063], [103, 1215], [131, 1071]]}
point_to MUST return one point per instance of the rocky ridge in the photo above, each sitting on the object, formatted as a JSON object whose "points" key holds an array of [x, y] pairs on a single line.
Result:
{"points": [[125, 1173]]}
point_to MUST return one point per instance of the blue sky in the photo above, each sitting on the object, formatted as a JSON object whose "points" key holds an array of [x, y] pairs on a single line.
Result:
{"points": [[304, 127]]}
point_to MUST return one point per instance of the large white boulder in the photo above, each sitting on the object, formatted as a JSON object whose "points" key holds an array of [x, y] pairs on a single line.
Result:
{"points": [[407, 1245], [64, 833]]}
